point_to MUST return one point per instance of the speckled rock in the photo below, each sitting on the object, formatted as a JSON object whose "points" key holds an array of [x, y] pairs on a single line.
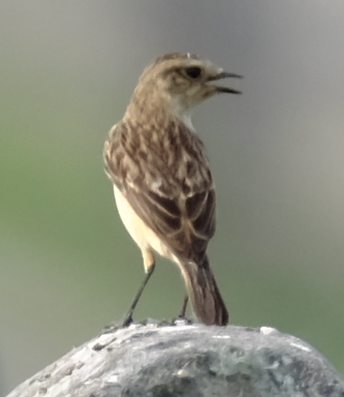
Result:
{"points": [[189, 360]]}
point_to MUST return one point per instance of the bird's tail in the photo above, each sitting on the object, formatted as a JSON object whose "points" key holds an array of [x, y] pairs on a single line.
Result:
{"points": [[204, 293]]}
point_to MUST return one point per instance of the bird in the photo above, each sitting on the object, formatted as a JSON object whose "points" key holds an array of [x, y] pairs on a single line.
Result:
{"points": [[163, 185]]}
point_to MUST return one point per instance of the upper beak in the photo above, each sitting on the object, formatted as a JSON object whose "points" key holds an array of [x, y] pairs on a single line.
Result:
{"points": [[224, 75]]}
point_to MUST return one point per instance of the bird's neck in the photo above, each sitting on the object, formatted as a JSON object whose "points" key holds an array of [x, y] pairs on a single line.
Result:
{"points": [[158, 111]]}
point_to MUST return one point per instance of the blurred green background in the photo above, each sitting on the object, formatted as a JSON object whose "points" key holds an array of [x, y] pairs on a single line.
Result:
{"points": [[68, 267]]}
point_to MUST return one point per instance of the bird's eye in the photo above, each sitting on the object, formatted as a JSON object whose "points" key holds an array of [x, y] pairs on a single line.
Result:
{"points": [[194, 72]]}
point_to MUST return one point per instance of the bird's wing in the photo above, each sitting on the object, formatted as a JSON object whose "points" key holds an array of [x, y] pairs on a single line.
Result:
{"points": [[168, 184]]}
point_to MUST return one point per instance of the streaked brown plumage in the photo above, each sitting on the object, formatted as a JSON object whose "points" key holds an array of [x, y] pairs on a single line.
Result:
{"points": [[163, 185]]}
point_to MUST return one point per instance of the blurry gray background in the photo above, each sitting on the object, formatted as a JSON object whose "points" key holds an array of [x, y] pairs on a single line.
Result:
{"points": [[68, 267]]}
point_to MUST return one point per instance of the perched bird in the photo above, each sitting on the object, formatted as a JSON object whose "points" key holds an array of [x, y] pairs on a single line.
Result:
{"points": [[163, 185]]}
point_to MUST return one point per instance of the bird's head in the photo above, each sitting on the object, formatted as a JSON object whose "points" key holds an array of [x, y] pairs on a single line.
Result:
{"points": [[180, 81]]}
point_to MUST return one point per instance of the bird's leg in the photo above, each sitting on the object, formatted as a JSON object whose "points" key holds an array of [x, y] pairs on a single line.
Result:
{"points": [[149, 266], [185, 304], [129, 317]]}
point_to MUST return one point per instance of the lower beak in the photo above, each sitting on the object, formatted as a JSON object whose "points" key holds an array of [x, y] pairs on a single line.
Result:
{"points": [[225, 75]]}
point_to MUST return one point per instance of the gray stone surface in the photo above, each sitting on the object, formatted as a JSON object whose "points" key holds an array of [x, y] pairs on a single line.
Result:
{"points": [[189, 360]]}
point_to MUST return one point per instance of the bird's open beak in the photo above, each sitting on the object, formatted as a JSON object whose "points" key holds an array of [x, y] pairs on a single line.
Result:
{"points": [[224, 75]]}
